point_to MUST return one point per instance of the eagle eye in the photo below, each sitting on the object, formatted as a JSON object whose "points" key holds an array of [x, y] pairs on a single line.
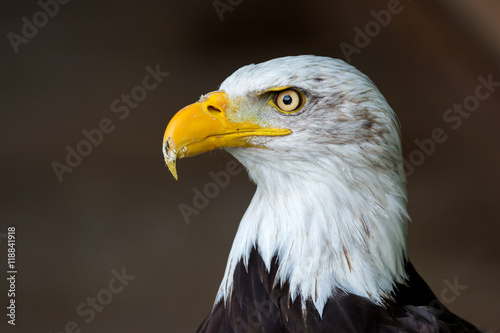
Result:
{"points": [[288, 100]]}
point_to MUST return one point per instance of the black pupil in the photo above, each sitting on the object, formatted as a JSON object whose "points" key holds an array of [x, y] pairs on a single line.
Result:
{"points": [[287, 99]]}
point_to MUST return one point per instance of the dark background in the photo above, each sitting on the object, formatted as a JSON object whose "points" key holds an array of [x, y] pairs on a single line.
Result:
{"points": [[119, 207]]}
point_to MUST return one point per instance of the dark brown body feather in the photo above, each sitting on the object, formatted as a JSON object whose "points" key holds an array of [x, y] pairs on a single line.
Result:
{"points": [[255, 306]]}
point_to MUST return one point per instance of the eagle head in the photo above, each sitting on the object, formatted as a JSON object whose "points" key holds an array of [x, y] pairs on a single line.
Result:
{"points": [[323, 146]]}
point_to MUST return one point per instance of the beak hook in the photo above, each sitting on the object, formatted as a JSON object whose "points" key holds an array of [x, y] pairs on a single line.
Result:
{"points": [[170, 156]]}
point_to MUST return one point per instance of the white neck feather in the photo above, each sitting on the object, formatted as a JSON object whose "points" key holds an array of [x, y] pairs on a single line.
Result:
{"points": [[343, 227]]}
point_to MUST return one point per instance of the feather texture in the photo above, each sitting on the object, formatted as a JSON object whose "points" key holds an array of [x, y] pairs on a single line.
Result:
{"points": [[257, 306]]}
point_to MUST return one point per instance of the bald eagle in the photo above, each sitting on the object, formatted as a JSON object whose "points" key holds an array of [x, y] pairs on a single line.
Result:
{"points": [[322, 245]]}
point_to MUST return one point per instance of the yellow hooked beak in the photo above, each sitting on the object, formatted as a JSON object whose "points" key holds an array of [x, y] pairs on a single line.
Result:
{"points": [[204, 126]]}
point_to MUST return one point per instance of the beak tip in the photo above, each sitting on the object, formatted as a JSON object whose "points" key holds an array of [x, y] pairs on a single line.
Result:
{"points": [[172, 167], [170, 158]]}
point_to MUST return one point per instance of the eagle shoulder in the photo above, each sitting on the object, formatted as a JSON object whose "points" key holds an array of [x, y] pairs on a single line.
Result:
{"points": [[258, 305]]}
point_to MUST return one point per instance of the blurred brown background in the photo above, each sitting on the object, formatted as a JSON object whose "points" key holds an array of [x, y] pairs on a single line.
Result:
{"points": [[119, 207]]}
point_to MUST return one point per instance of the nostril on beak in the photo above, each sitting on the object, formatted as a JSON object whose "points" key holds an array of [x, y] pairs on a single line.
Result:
{"points": [[213, 109]]}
